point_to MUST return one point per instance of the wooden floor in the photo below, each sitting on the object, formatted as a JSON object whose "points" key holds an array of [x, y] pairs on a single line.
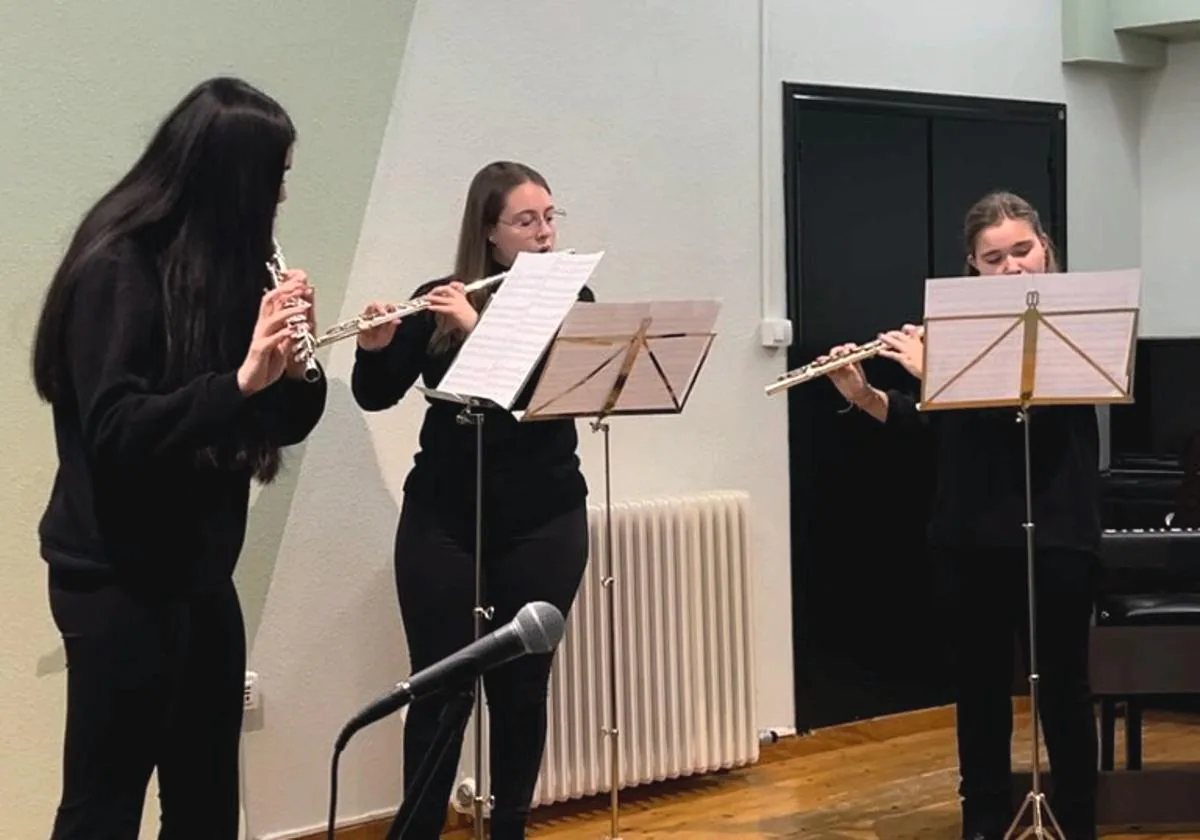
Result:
{"points": [[857, 783]]}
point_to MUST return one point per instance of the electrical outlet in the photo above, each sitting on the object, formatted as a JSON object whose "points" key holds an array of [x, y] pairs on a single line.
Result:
{"points": [[775, 332], [250, 696]]}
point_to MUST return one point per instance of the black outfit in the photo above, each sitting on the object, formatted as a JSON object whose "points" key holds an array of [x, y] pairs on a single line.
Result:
{"points": [[534, 548], [141, 541], [978, 546]]}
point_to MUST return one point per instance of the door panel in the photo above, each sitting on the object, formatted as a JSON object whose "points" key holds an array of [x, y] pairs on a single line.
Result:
{"points": [[860, 493], [876, 198], [974, 157]]}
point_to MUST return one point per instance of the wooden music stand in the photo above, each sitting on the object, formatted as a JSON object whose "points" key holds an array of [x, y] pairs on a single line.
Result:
{"points": [[613, 359], [624, 358], [1022, 341]]}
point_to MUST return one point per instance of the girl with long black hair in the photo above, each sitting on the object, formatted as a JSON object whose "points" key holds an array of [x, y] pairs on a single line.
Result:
{"points": [[168, 360], [535, 531]]}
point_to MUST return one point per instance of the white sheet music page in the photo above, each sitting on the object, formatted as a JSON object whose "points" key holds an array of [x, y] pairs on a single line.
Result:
{"points": [[975, 335], [595, 341], [498, 356]]}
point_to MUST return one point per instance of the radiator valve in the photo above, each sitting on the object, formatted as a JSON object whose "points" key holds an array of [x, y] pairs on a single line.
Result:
{"points": [[463, 799], [770, 736]]}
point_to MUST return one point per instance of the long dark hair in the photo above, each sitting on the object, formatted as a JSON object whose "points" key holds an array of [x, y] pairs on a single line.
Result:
{"points": [[993, 209], [485, 202], [200, 204]]}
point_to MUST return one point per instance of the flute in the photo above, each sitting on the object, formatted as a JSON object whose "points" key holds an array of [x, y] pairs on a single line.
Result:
{"points": [[306, 346], [361, 323], [815, 370]]}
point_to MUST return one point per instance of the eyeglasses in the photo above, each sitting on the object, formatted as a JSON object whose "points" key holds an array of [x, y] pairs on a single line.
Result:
{"points": [[526, 222]]}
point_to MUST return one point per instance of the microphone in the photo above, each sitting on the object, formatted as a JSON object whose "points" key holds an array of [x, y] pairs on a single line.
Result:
{"points": [[536, 628]]}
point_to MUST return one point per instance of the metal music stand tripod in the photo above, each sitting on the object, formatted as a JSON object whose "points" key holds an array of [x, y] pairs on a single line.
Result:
{"points": [[472, 414], [1022, 342], [613, 359], [493, 368]]}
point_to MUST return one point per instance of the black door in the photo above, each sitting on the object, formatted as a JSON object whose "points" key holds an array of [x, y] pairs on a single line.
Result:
{"points": [[975, 155], [877, 185]]}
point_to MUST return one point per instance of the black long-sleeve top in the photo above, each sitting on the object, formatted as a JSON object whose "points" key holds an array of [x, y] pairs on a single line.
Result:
{"points": [[531, 470], [130, 502], [979, 498]]}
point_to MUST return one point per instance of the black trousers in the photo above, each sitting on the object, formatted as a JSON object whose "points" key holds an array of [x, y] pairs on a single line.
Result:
{"points": [[151, 683], [987, 598], [435, 580]]}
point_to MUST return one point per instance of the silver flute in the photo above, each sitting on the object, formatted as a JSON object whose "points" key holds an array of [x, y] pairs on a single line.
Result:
{"points": [[361, 323], [306, 346]]}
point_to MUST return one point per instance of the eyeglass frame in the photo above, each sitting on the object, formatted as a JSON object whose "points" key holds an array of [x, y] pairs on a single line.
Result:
{"points": [[527, 224]]}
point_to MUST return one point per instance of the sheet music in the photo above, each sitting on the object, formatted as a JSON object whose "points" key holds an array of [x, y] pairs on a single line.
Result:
{"points": [[594, 344], [975, 337], [496, 359]]}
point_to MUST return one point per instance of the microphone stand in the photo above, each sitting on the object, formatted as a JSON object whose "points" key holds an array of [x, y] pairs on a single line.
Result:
{"points": [[453, 721], [470, 416]]}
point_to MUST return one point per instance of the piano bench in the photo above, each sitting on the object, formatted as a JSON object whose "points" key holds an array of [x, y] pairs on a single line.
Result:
{"points": [[1143, 646]]}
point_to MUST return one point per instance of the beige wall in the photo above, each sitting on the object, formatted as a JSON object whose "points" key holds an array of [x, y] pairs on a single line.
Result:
{"points": [[81, 86]]}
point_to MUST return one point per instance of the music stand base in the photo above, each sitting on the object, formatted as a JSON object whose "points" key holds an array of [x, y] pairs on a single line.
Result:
{"points": [[1041, 815]]}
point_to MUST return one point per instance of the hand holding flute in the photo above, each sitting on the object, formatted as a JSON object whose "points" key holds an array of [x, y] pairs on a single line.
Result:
{"points": [[904, 346], [907, 347], [381, 319], [378, 320], [379, 336]]}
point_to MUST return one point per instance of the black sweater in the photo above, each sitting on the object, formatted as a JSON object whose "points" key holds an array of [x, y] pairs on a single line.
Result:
{"points": [[129, 501], [530, 470], [979, 498]]}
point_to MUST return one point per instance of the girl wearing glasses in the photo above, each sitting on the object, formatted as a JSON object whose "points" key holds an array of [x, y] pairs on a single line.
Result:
{"points": [[534, 503]]}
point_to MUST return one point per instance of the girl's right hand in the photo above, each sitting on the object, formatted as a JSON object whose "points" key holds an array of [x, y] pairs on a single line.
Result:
{"points": [[378, 337], [850, 380], [906, 346], [273, 342]]}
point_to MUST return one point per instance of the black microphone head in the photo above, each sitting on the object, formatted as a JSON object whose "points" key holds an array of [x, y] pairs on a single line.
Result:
{"points": [[539, 626]]}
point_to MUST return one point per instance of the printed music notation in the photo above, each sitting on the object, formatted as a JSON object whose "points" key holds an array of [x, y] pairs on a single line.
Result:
{"points": [[520, 320], [978, 348]]}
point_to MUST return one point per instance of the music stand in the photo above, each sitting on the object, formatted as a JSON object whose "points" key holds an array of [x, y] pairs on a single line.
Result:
{"points": [[612, 359], [490, 371], [1022, 341]]}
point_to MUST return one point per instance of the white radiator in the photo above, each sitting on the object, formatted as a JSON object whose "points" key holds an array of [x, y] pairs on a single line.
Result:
{"points": [[685, 656]]}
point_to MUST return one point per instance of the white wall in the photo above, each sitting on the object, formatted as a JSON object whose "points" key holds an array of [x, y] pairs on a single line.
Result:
{"points": [[1171, 195], [645, 118]]}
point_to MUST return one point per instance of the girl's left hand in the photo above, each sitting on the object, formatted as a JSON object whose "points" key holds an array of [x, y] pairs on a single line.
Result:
{"points": [[452, 301]]}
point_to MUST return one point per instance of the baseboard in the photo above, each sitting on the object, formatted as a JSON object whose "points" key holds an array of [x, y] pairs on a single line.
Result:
{"points": [[372, 826]]}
